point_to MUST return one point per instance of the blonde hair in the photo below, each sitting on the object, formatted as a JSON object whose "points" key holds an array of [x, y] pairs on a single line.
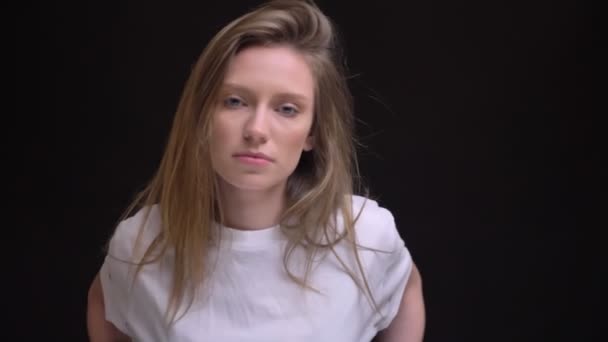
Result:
{"points": [[185, 188]]}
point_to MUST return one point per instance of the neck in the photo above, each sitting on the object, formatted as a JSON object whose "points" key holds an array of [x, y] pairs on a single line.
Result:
{"points": [[251, 209]]}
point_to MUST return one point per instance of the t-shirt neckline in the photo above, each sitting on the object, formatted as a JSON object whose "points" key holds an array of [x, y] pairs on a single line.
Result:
{"points": [[252, 238]]}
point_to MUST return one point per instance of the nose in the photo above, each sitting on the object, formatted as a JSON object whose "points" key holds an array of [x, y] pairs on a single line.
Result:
{"points": [[256, 128]]}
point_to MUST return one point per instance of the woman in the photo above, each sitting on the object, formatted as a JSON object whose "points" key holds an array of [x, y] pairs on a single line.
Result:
{"points": [[250, 230]]}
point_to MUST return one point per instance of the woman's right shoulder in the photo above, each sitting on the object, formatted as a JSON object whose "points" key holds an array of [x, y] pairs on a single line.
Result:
{"points": [[146, 221]]}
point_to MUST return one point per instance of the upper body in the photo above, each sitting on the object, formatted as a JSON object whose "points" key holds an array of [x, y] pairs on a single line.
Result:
{"points": [[249, 297], [262, 152]]}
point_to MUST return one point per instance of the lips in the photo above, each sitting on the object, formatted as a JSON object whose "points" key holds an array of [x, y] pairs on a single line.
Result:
{"points": [[253, 155]]}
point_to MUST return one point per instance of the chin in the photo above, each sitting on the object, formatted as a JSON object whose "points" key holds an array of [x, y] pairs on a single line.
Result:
{"points": [[250, 183]]}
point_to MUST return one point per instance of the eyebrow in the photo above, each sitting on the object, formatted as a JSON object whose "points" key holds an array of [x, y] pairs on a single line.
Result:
{"points": [[249, 92]]}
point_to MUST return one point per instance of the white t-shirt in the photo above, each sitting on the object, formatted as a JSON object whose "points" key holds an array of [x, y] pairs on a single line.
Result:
{"points": [[249, 296]]}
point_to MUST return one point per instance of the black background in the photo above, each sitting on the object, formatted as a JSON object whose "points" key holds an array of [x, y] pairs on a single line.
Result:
{"points": [[474, 114]]}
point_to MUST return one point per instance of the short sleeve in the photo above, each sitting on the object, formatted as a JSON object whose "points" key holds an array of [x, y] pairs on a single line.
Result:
{"points": [[392, 270], [114, 276]]}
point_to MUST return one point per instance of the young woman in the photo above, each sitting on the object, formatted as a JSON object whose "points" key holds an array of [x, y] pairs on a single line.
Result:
{"points": [[251, 230]]}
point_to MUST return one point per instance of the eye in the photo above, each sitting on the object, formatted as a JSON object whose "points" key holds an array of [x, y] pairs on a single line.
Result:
{"points": [[288, 110], [233, 102]]}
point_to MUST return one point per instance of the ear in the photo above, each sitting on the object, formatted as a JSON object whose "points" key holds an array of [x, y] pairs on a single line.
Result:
{"points": [[308, 143]]}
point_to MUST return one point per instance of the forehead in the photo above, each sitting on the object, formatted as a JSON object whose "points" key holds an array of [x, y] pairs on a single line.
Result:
{"points": [[271, 69]]}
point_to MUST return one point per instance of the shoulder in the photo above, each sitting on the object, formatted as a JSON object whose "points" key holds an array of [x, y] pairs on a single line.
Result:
{"points": [[143, 225], [374, 224]]}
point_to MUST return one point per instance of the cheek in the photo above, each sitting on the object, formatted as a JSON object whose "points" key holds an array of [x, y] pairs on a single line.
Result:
{"points": [[221, 132], [296, 141], [218, 143]]}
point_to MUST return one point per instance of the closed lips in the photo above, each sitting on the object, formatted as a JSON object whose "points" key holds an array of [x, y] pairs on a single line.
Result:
{"points": [[254, 155]]}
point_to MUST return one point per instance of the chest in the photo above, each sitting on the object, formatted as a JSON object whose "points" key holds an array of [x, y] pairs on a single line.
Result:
{"points": [[251, 297]]}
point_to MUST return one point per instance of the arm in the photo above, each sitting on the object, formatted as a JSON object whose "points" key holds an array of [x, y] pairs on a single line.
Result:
{"points": [[409, 324], [98, 328]]}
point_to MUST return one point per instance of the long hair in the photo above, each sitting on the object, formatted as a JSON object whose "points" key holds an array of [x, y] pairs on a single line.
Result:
{"points": [[185, 186]]}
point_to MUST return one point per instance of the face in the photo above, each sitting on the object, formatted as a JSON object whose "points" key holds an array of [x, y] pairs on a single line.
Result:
{"points": [[263, 118]]}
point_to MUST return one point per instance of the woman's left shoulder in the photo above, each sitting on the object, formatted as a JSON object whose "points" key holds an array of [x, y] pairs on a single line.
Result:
{"points": [[374, 224]]}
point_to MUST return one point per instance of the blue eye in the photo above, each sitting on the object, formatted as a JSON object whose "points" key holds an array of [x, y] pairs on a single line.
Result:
{"points": [[233, 102], [288, 110]]}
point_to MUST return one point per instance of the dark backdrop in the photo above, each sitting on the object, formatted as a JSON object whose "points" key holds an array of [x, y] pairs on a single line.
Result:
{"points": [[473, 114]]}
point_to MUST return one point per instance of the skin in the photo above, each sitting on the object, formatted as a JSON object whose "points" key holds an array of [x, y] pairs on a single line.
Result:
{"points": [[409, 324], [265, 106], [98, 328]]}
